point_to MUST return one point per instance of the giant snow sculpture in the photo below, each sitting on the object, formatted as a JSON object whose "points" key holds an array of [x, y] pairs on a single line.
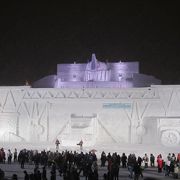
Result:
{"points": [[97, 102], [96, 115]]}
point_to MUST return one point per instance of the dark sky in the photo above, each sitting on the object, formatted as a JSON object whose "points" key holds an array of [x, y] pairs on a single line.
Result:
{"points": [[34, 38]]}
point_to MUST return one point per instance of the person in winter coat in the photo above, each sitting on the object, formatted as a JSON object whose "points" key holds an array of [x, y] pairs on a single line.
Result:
{"points": [[137, 171], [160, 163], [9, 156], [15, 155], [167, 166], [146, 160], [124, 160], [152, 158], [103, 159]]}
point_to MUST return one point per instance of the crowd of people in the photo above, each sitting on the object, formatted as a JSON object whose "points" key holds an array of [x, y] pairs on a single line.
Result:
{"points": [[70, 165]]}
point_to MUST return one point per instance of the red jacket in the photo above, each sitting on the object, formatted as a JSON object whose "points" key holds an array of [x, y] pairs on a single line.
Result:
{"points": [[160, 162]]}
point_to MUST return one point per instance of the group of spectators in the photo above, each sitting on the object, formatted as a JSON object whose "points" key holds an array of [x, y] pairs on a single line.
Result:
{"points": [[70, 165]]}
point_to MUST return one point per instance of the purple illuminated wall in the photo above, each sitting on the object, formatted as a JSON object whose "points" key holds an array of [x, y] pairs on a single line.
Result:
{"points": [[97, 74]]}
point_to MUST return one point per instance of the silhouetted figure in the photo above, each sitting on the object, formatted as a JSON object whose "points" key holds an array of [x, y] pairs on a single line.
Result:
{"points": [[137, 171], [44, 177], [53, 171], [80, 145], [103, 159], [9, 156], [14, 177], [124, 160], [38, 175], [152, 159], [2, 156], [139, 160], [22, 157], [105, 176], [57, 143], [2, 174], [31, 176], [26, 176], [15, 155]]}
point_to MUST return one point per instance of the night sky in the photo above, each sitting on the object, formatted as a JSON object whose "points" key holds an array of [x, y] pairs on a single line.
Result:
{"points": [[34, 38]]}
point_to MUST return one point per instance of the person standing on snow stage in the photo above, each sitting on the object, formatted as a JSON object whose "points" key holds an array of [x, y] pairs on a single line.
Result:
{"points": [[57, 144], [80, 145]]}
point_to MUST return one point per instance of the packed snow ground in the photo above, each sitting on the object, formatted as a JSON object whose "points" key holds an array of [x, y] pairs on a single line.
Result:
{"points": [[11, 169]]}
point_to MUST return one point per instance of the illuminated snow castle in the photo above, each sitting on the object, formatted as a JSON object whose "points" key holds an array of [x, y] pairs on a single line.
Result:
{"points": [[96, 74], [97, 102]]}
